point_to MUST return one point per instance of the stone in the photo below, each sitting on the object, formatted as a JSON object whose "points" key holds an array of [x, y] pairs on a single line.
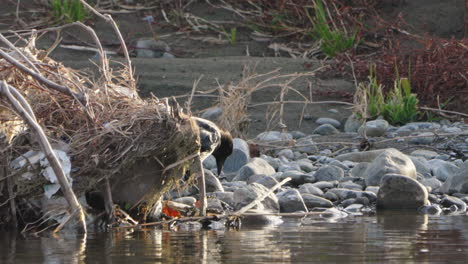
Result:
{"points": [[245, 195], [441, 169], [214, 205], [274, 162], [273, 136], [323, 185], [365, 156], [267, 181], [255, 166], [359, 170], [448, 201], [329, 173], [305, 165], [212, 113], [331, 196], [422, 166], [401, 192], [212, 182], [374, 128], [298, 177], [352, 124], [311, 201], [210, 162], [151, 48], [287, 153], [427, 139], [233, 185], [354, 208], [416, 126], [325, 130], [344, 194], [306, 145], [423, 153], [350, 185], [227, 197], [389, 161], [289, 166], [290, 201], [309, 188], [240, 156], [432, 182], [374, 189], [456, 183], [297, 134], [339, 164], [327, 120], [187, 200], [433, 209]]}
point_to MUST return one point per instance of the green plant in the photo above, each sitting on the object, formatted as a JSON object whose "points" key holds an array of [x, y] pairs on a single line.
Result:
{"points": [[333, 39], [231, 35], [399, 107], [68, 10]]}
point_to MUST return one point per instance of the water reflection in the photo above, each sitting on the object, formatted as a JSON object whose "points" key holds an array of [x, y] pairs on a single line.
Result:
{"points": [[390, 237]]}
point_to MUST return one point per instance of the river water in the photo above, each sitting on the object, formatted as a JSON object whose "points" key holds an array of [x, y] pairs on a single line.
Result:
{"points": [[391, 237]]}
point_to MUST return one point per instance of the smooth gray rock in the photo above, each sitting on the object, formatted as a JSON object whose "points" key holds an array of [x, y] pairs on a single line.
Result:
{"points": [[151, 48], [240, 156], [401, 192], [291, 201], [432, 182], [188, 200], [212, 182], [374, 128], [234, 185], [433, 209], [311, 201], [298, 177], [416, 126], [325, 130], [456, 183], [352, 124], [327, 120], [354, 208], [422, 166], [325, 184], [267, 181], [309, 188], [255, 166], [305, 165], [350, 185], [306, 145], [390, 161], [338, 164], [227, 197], [329, 173], [423, 153], [374, 189], [212, 113], [426, 140], [365, 156], [245, 195], [441, 169], [274, 162], [448, 201], [344, 194], [297, 134], [210, 162], [289, 166], [359, 170], [214, 205], [287, 153], [273, 136]]}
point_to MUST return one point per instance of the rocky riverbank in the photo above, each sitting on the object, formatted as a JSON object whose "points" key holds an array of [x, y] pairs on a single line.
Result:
{"points": [[428, 173]]}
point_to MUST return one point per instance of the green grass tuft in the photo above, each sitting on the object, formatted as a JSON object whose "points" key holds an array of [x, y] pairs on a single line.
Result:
{"points": [[68, 10]]}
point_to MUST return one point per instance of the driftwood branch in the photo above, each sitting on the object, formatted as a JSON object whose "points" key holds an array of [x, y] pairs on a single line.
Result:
{"points": [[48, 151]]}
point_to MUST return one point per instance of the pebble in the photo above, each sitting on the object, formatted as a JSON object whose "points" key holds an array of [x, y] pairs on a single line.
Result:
{"points": [[325, 130], [327, 120]]}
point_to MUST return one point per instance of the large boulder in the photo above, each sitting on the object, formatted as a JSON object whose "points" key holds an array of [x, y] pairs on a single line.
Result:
{"points": [[239, 157], [291, 201], [245, 195], [456, 183], [401, 192], [389, 161], [255, 166]]}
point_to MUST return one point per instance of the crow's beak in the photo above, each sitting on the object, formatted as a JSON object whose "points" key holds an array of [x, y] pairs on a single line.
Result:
{"points": [[219, 164]]}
